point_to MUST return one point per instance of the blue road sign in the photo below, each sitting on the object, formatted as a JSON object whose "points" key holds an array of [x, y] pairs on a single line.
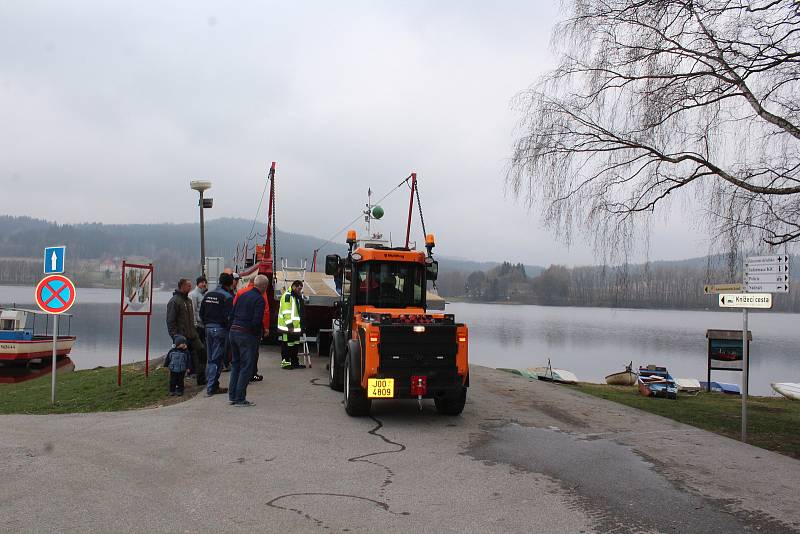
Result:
{"points": [[54, 260]]}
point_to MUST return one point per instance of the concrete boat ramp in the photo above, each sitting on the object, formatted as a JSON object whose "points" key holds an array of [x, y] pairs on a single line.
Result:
{"points": [[524, 457]]}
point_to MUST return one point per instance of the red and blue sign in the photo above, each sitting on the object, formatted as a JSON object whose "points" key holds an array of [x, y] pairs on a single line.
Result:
{"points": [[55, 294]]}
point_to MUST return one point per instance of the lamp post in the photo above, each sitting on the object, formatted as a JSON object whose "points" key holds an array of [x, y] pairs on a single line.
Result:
{"points": [[200, 186]]}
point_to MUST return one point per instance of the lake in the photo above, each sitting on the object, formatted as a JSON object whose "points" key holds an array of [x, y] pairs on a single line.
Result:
{"points": [[591, 342]]}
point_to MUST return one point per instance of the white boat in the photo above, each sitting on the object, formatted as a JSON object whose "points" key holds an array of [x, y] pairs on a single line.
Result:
{"points": [[687, 384], [790, 390], [19, 342], [623, 378], [548, 374]]}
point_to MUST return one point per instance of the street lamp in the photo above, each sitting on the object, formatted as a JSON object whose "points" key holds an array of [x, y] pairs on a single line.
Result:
{"points": [[200, 186]]}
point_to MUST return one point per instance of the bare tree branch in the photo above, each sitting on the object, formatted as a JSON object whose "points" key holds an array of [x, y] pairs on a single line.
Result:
{"points": [[656, 96]]}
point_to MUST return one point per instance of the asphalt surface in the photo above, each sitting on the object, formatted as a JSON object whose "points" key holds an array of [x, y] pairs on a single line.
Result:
{"points": [[524, 457]]}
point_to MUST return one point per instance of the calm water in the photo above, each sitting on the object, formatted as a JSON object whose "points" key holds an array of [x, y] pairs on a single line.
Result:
{"points": [[591, 342], [594, 342]]}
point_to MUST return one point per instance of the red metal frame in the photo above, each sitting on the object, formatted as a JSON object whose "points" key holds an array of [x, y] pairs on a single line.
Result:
{"points": [[411, 206], [122, 313], [121, 316]]}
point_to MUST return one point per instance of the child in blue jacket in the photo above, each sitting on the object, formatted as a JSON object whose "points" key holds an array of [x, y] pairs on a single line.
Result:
{"points": [[177, 361]]}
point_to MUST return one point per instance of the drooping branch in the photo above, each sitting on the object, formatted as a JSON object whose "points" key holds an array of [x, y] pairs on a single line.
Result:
{"points": [[652, 98]]}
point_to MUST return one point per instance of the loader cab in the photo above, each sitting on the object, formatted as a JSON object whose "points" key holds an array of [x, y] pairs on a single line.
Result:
{"points": [[388, 284]]}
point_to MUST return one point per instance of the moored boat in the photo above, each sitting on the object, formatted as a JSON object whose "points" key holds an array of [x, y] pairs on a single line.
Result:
{"points": [[790, 390], [19, 342], [623, 378], [655, 381]]}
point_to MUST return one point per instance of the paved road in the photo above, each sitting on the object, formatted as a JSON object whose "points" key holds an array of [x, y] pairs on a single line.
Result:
{"points": [[524, 457]]}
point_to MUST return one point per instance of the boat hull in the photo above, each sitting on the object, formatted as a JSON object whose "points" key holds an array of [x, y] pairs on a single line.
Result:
{"points": [[722, 387], [655, 381], [623, 378], [38, 347], [561, 376], [789, 390]]}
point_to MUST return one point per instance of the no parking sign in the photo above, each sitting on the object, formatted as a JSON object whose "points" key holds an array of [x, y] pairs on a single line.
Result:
{"points": [[55, 294]]}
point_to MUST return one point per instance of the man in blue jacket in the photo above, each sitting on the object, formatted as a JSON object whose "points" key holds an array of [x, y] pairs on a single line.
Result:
{"points": [[245, 335], [215, 314]]}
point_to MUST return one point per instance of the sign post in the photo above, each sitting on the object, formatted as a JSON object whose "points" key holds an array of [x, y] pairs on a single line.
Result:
{"points": [[136, 298], [55, 294]]}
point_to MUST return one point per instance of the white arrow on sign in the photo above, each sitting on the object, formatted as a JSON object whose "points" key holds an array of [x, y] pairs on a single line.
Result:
{"points": [[745, 300], [766, 287], [54, 261], [762, 268], [754, 260], [769, 278]]}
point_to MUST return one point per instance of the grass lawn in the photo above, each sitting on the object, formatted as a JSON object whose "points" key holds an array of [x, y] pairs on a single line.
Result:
{"points": [[773, 422], [92, 390]]}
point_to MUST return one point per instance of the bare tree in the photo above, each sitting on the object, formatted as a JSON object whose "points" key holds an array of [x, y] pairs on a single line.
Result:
{"points": [[655, 96]]}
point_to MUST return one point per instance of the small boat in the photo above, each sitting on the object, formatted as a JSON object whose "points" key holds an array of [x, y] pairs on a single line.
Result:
{"points": [[722, 387], [623, 378], [655, 381], [688, 385], [548, 374], [790, 390], [19, 342]]}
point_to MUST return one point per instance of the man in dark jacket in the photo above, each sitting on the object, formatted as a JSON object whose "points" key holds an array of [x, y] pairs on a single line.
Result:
{"points": [[215, 314], [245, 335], [180, 322]]}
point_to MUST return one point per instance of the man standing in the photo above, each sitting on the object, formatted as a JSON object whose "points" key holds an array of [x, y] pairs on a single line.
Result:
{"points": [[215, 313], [196, 296], [256, 377], [245, 336], [290, 324], [180, 322]]}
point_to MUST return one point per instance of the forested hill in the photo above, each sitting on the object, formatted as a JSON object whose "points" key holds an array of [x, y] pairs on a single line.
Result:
{"points": [[173, 247], [24, 237]]}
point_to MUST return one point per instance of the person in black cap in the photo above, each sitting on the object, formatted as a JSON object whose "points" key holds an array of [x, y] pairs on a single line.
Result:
{"points": [[215, 312]]}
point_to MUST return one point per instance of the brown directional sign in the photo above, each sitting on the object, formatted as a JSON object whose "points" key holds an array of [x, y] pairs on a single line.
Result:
{"points": [[712, 289]]}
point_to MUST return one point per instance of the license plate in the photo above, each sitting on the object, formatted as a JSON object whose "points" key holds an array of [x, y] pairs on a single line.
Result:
{"points": [[380, 388]]}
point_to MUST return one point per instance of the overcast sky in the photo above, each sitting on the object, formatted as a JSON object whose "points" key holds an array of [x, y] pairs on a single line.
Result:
{"points": [[108, 109]]}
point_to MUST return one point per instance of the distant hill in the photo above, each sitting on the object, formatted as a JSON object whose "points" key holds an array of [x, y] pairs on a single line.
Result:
{"points": [[25, 237]]}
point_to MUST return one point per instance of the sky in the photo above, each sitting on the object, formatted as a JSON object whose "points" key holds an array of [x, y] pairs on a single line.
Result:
{"points": [[109, 109]]}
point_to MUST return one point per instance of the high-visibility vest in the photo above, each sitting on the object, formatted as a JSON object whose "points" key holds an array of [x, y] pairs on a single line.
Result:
{"points": [[288, 314]]}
